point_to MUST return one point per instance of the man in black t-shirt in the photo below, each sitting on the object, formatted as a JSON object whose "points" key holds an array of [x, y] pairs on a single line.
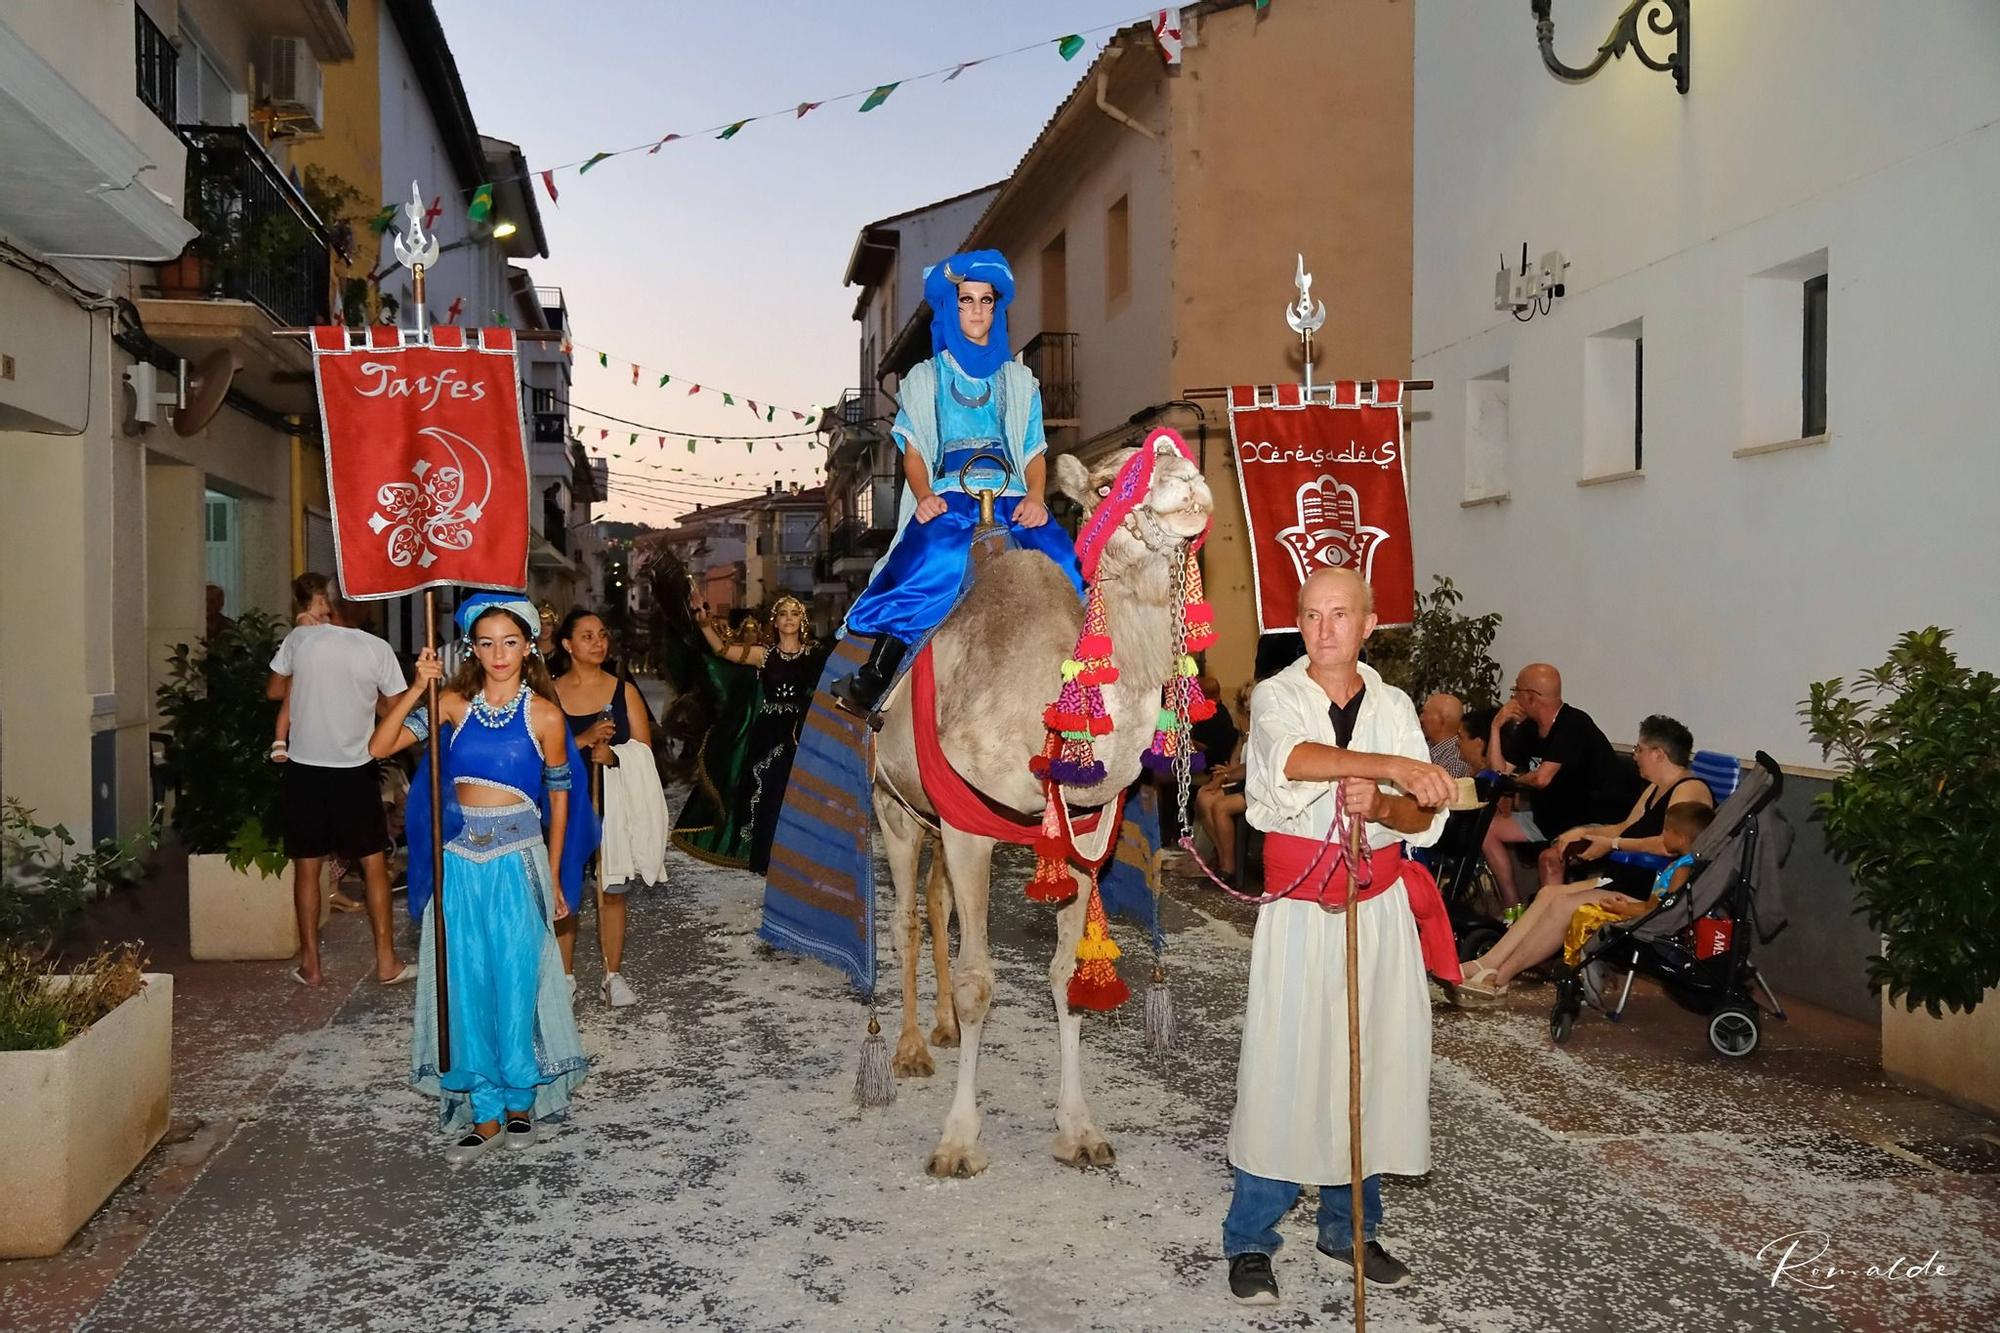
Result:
{"points": [[1571, 774]]}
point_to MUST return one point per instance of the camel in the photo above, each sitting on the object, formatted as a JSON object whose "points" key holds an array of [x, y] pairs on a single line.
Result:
{"points": [[998, 661]]}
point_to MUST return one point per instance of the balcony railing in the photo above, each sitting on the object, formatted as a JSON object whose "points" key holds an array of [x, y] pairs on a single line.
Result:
{"points": [[159, 69], [554, 307], [258, 234], [1052, 356]]}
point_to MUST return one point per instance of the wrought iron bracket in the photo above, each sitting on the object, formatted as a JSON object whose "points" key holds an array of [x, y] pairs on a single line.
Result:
{"points": [[1663, 18]]}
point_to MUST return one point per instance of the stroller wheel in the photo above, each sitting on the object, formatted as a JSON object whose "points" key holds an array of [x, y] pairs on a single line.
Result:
{"points": [[1560, 1022], [1733, 1032]]}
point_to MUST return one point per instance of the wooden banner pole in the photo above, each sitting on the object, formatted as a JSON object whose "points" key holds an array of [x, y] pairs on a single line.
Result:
{"points": [[1357, 846]]}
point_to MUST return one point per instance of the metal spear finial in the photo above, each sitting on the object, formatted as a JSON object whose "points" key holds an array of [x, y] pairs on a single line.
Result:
{"points": [[1305, 317], [416, 252]]}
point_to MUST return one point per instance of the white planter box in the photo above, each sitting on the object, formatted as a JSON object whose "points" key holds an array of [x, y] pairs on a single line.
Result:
{"points": [[80, 1118], [239, 914], [1956, 1056]]}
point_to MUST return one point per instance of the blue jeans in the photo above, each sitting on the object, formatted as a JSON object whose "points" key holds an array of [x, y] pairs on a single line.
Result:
{"points": [[1259, 1204]]}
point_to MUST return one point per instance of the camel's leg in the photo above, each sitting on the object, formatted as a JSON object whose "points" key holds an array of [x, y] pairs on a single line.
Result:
{"points": [[937, 899], [902, 839], [1077, 1141], [968, 861]]}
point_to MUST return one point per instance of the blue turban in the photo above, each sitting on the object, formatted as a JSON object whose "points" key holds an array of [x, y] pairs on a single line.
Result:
{"points": [[941, 290]]}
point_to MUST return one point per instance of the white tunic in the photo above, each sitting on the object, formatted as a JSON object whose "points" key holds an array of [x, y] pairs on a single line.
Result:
{"points": [[1291, 1078]]}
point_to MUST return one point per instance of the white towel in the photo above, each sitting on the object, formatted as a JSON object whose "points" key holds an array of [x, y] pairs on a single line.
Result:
{"points": [[635, 819]]}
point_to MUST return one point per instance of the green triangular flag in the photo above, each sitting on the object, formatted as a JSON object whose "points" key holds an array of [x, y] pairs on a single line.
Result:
{"points": [[1263, 4], [595, 158], [728, 401], [1071, 44], [481, 205], [382, 221], [632, 439], [690, 445], [878, 97], [770, 412], [604, 360], [730, 133], [663, 380]]}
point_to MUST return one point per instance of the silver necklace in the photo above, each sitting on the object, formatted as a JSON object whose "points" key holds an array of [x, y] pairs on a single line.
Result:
{"points": [[496, 718]]}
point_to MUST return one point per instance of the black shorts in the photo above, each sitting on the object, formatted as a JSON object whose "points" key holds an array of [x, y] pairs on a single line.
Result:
{"points": [[333, 811]]}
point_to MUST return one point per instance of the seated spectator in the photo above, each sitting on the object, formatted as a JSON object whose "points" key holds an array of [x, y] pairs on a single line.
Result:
{"points": [[1475, 730], [1215, 737], [1571, 777], [1219, 800], [1440, 718], [1663, 752], [1550, 918]]}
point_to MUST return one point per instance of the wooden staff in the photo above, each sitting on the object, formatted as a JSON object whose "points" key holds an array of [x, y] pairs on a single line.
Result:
{"points": [[437, 824], [1357, 845]]}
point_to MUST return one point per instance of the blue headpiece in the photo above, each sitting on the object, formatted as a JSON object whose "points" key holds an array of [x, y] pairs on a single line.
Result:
{"points": [[941, 290], [480, 603]]}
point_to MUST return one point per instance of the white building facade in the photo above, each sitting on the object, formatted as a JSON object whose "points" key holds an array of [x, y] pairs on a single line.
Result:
{"points": [[1639, 479]]}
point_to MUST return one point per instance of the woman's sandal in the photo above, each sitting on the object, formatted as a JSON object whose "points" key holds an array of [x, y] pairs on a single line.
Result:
{"points": [[519, 1130]]}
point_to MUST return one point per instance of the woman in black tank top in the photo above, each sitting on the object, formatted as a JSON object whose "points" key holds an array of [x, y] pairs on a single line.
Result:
{"points": [[1663, 752]]}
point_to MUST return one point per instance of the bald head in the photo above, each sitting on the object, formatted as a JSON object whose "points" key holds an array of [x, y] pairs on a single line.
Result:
{"points": [[1320, 581], [1539, 690], [1441, 715]]}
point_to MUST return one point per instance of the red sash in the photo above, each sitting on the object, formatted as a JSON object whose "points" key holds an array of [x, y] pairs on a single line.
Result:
{"points": [[1288, 858]]}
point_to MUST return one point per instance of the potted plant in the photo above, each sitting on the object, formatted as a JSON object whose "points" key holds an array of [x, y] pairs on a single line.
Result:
{"points": [[226, 792], [85, 1077], [1912, 818], [44, 882], [1441, 649]]}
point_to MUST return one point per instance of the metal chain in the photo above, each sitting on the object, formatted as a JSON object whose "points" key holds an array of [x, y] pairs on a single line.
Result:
{"points": [[1183, 759]]}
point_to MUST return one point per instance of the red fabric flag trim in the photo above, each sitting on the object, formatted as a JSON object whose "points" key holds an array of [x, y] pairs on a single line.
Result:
{"points": [[549, 183]]}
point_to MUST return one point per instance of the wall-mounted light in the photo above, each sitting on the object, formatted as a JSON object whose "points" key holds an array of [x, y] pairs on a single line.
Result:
{"points": [[1526, 292], [1664, 18], [502, 230]]}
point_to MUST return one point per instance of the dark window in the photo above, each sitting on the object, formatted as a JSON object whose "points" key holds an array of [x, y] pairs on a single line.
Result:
{"points": [[1638, 404], [1813, 378], [158, 65]]}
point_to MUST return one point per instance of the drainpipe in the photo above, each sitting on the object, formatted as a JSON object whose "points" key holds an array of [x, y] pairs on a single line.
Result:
{"points": [[298, 443], [1104, 104]]}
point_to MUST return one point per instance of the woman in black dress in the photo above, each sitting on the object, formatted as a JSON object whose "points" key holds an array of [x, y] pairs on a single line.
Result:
{"points": [[745, 760]]}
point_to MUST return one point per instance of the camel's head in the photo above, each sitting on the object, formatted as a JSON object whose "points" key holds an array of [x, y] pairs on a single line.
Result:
{"points": [[1175, 508]]}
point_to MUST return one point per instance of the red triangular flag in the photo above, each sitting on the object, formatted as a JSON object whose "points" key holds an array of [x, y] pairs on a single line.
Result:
{"points": [[805, 107], [635, 372], [661, 144], [693, 390], [549, 183]]}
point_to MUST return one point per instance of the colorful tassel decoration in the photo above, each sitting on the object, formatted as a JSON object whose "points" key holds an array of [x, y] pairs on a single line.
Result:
{"points": [[874, 1082], [1200, 615], [1052, 882], [1161, 1029], [1096, 984]]}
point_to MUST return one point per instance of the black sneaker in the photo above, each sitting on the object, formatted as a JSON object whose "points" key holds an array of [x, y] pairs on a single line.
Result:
{"points": [[1250, 1280], [1382, 1268]]}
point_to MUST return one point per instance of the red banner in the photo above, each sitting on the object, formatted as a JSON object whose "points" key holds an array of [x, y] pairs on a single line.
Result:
{"points": [[426, 460], [1323, 488]]}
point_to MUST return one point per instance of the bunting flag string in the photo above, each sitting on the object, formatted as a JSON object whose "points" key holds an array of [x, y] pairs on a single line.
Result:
{"points": [[809, 433], [763, 407], [1068, 46]]}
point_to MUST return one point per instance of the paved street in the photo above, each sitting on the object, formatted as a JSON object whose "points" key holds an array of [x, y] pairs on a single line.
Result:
{"points": [[717, 1174]]}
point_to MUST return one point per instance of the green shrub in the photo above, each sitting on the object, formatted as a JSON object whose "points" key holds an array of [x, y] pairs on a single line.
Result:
{"points": [[44, 882], [219, 740], [1915, 817], [1441, 650], [41, 1012]]}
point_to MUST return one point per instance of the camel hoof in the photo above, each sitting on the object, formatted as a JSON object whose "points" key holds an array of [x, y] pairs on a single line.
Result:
{"points": [[1091, 1150], [912, 1061], [944, 1037], [956, 1163]]}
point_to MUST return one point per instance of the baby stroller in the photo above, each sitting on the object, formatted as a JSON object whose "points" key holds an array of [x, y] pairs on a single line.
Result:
{"points": [[1697, 942]]}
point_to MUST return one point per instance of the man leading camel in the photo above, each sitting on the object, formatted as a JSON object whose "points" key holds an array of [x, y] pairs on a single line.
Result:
{"points": [[1326, 735]]}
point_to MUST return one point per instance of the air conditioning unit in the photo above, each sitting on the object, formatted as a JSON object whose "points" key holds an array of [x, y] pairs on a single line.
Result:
{"points": [[293, 88]]}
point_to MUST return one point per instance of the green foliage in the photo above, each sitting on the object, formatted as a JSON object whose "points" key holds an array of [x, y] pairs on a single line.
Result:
{"points": [[44, 882], [41, 1011], [1914, 816], [219, 740], [1441, 650]]}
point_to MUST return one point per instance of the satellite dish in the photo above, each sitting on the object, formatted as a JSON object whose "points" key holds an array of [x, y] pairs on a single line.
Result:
{"points": [[209, 385]]}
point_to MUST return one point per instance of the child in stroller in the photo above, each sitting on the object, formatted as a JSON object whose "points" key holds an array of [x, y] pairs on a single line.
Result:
{"points": [[1696, 940]]}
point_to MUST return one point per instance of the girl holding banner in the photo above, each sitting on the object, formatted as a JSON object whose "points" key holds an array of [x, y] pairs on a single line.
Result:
{"points": [[510, 765]]}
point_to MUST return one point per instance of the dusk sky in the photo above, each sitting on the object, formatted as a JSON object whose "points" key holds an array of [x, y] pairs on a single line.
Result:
{"points": [[720, 263]]}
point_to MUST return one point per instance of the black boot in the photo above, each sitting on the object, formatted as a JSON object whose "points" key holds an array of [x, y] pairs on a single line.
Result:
{"points": [[861, 693]]}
